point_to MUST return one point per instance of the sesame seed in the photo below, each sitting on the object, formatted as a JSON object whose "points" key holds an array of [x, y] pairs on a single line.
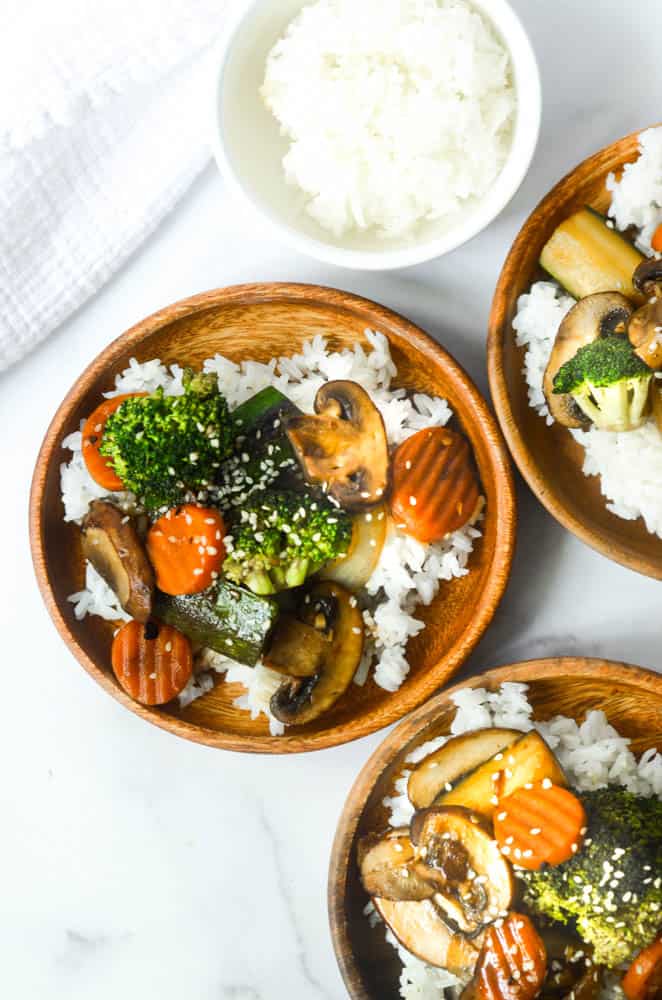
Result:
{"points": [[197, 572], [407, 464], [152, 677], [356, 631], [448, 787], [412, 501], [210, 520], [498, 756], [502, 815], [535, 830], [494, 800], [546, 783], [528, 785]]}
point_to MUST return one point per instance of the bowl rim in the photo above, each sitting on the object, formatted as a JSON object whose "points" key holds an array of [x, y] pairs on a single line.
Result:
{"points": [[525, 141], [400, 703], [648, 682], [498, 329]]}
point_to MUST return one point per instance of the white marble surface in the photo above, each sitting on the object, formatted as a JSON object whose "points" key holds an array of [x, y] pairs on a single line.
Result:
{"points": [[136, 865]]}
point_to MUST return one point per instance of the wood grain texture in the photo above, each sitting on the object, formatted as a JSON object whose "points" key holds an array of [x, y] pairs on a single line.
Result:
{"points": [[548, 457], [259, 322], [632, 700]]}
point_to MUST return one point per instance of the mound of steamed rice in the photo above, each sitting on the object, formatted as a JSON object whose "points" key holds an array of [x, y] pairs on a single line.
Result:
{"points": [[397, 112], [592, 754], [629, 465], [408, 573]]}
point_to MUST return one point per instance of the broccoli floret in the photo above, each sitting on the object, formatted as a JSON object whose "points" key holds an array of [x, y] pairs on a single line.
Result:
{"points": [[612, 889], [164, 447], [608, 382], [278, 539]]}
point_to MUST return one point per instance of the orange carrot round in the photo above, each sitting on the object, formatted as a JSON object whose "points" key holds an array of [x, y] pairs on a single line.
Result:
{"points": [[643, 980], [185, 547], [656, 239], [512, 963], [152, 662], [98, 466], [541, 824], [434, 489]]}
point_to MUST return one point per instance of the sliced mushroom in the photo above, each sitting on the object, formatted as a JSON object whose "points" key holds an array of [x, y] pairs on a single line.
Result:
{"points": [[344, 447], [593, 317], [457, 757], [647, 278], [368, 534], [333, 611], [391, 869], [645, 326], [528, 759], [478, 881], [420, 929], [111, 543], [296, 649]]}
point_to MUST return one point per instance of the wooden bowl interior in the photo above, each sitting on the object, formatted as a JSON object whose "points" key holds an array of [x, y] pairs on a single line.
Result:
{"points": [[548, 457], [251, 322], [632, 701]]}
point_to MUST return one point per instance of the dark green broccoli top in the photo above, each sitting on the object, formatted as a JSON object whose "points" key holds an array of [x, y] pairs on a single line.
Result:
{"points": [[611, 889], [161, 446], [603, 362], [277, 539]]}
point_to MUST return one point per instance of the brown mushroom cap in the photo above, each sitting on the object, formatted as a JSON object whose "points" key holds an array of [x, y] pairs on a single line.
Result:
{"points": [[112, 545], [391, 869], [647, 278], [301, 699], [645, 333], [343, 447], [590, 318], [479, 884]]}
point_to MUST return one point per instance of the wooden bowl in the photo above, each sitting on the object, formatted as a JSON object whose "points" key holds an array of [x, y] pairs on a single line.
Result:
{"points": [[262, 321], [548, 457], [631, 698]]}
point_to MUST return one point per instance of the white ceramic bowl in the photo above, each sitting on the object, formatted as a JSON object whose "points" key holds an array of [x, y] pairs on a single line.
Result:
{"points": [[249, 147]]}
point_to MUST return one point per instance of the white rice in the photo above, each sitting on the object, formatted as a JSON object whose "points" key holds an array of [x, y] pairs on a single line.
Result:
{"points": [[592, 754], [637, 196], [409, 572], [629, 465], [397, 111]]}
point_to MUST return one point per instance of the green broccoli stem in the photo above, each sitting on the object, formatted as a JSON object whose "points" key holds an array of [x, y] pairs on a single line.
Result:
{"points": [[618, 407]]}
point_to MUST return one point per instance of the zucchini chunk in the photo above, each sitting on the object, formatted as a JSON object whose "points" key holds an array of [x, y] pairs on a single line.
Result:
{"points": [[586, 256], [228, 619]]}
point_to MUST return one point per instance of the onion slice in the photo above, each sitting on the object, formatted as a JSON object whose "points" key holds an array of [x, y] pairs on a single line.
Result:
{"points": [[355, 569]]}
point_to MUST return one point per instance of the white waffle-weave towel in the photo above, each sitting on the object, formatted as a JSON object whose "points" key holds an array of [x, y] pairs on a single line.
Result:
{"points": [[103, 126]]}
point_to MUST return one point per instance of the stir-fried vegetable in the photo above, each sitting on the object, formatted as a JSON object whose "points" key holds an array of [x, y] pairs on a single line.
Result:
{"points": [[512, 962], [643, 980], [152, 662], [435, 490], [98, 466], [186, 549], [540, 825], [165, 447], [277, 540]]}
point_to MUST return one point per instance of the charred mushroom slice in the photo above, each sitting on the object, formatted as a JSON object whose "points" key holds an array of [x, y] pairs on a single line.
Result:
{"points": [[391, 869], [645, 326], [332, 610], [591, 318], [420, 929], [344, 447], [460, 755], [296, 649], [478, 880], [112, 545]]}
